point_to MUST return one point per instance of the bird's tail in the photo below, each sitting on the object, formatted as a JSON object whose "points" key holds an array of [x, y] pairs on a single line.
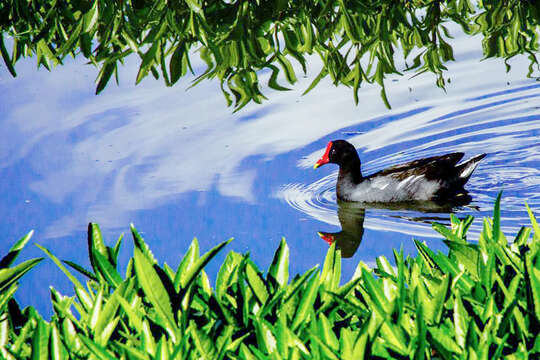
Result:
{"points": [[466, 169]]}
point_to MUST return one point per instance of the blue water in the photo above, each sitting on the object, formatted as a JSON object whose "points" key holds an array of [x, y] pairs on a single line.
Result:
{"points": [[179, 164]]}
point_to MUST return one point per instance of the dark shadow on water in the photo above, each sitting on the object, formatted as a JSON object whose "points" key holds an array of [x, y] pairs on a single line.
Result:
{"points": [[351, 216]]}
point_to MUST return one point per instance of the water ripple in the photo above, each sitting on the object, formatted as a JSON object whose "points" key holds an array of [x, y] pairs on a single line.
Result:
{"points": [[503, 124]]}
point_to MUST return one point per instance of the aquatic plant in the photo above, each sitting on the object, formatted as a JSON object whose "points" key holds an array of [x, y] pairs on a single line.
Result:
{"points": [[357, 41], [9, 275], [479, 301]]}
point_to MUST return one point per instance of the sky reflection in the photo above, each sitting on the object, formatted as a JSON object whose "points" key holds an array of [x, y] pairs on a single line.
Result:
{"points": [[178, 164]]}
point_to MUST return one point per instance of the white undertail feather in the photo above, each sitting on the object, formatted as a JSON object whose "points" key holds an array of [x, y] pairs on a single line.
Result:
{"points": [[470, 166]]}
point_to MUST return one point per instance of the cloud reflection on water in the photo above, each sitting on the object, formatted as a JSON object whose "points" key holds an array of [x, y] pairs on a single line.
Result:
{"points": [[134, 148]]}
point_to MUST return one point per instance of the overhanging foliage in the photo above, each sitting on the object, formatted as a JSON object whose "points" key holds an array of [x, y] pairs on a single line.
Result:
{"points": [[356, 39]]}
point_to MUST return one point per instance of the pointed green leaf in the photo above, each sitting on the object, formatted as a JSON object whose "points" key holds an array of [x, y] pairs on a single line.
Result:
{"points": [[10, 275], [40, 341], [279, 269], [154, 290], [15, 250]]}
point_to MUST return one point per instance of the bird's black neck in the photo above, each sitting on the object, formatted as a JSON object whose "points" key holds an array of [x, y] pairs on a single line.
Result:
{"points": [[350, 172]]}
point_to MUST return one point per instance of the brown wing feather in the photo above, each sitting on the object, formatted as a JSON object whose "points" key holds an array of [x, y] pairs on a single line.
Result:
{"points": [[435, 167]]}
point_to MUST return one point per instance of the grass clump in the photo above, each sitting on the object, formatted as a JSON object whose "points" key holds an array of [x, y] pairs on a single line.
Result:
{"points": [[479, 301]]}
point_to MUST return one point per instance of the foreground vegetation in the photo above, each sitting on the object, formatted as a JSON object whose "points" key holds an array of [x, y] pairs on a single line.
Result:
{"points": [[481, 301], [357, 40]]}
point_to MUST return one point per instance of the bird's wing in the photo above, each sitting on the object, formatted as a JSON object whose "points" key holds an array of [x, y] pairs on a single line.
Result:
{"points": [[432, 167]]}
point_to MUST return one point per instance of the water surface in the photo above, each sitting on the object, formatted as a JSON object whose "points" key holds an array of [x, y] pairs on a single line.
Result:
{"points": [[178, 164]]}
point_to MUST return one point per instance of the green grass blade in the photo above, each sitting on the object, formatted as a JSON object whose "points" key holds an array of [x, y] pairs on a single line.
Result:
{"points": [[40, 341], [95, 245], [532, 281], [15, 250], [154, 290], [447, 233], [496, 230], [186, 264], [141, 245], [331, 271], [56, 347], [256, 282], [466, 255], [201, 263], [80, 269], [97, 350], [376, 293], [306, 302], [62, 267], [228, 273], [279, 269], [106, 269], [10, 275], [461, 321], [534, 223]]}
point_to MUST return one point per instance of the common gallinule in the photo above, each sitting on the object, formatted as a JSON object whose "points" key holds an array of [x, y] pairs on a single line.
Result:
{"points": [[432, 178]]}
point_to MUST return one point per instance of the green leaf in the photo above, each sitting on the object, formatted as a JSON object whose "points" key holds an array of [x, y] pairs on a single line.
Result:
{"points": [[287, 68], [265, 339], [113, 253], [58, 263], [6, 295], [427, 255], [90, 19], [306, 302], [534, 223], [331, 272], [376, 293], [256, 282], [177, 66], [447, 233], [279, 269], [155, 291], [80, 269], [532, 276], [421, 342], [322, 74], [434, 307], [105, 75], [522, 236], [272, 81], [97, 350], [227, 274], [74, 36], [442, 341], [197, 267], [466, 255], [10, 275], [187, 263], [40, 341], [141, 245], [6, 58], [194, 6], [106, 269], [56, 347], [148, 60], [15, 250], [107, 320], [461, 321], [134, 317], [328, 335], [497, 236]]}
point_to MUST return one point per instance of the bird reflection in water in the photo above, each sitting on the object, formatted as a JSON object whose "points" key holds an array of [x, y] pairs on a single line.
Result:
{"points": [[351, 217]]}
